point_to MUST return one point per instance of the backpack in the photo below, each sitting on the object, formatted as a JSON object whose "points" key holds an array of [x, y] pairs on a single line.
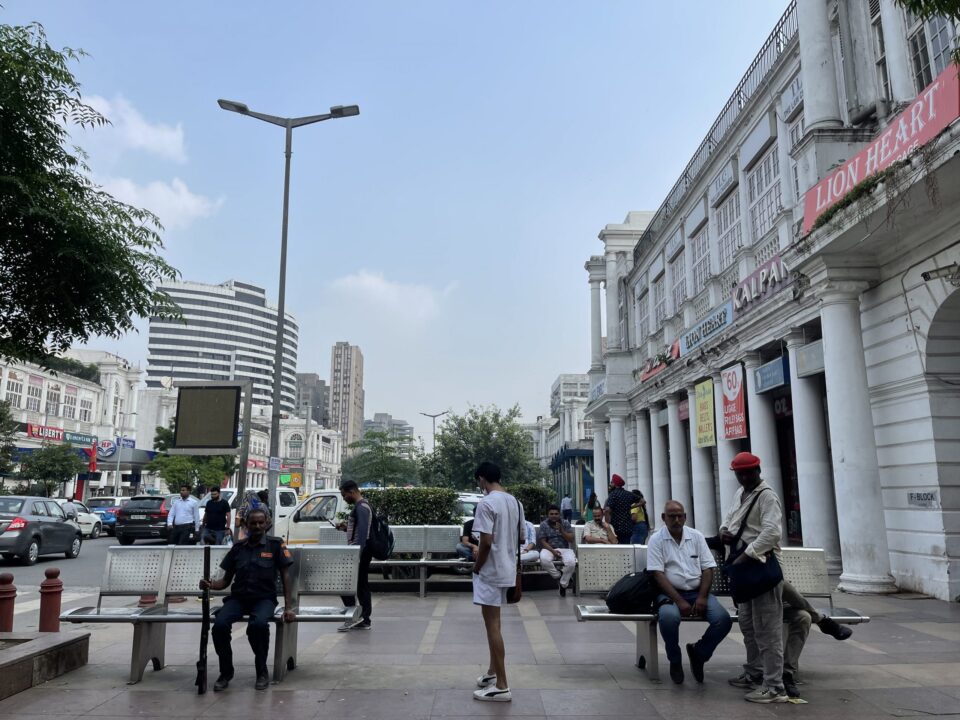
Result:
{"points": [[380, 540], [633, 594]]}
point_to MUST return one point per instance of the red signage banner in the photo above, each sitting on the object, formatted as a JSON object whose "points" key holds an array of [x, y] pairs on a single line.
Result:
{"points": [[734, 403], [934, 109], [44, 432]]}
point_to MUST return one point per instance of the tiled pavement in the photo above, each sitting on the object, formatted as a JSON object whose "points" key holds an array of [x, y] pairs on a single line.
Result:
{"points": [[422, 656]]}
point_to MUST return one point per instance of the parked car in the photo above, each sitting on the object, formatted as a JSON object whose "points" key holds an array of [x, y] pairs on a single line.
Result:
{"points": [[285, 501], [144, 517], [318, 509], [90, 523], [107, 508], [31, 527], [467, 504]]}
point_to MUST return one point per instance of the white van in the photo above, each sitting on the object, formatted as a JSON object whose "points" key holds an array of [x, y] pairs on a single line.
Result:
{"points": [[285, 500], [319, 509]]}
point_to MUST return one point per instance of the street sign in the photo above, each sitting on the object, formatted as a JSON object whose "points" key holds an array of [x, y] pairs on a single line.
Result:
{"points": [[274, 464]]}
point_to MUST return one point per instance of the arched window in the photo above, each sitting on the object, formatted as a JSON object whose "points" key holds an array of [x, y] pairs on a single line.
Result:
{"points": [[295, 446]]}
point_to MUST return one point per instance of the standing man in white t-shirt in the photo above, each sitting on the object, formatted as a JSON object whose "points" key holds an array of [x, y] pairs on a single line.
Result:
{"points": [[498, 520]]}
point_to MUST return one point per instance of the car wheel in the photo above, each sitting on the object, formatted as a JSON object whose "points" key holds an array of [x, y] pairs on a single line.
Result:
{"points": [[125, 540], [74, 547], [95, 533], [32, 553]]}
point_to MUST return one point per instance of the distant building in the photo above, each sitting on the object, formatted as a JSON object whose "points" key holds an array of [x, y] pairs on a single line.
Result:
{"points": [[346, 392], [394, 427], [313, 391]]}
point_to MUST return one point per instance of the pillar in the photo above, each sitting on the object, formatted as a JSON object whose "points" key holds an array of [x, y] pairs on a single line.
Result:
{"points": [[762, 428], [618, 446], [600, 477], [818, 507], [641, 422], [821, 104], [701, 466], [660, 469], [863, 531], [679, 476], [596, 325], [613, 305], [726, 449], [899, 65]]}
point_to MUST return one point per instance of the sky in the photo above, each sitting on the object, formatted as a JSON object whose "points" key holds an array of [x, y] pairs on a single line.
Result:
{"points": [[444, 229]]}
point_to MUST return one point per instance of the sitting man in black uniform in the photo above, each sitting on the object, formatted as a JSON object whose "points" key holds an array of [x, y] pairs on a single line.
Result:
{"points": [[252, 565]]}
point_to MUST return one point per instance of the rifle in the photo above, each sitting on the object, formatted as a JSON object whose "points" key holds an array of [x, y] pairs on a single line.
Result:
{"points": [[201, 682]]}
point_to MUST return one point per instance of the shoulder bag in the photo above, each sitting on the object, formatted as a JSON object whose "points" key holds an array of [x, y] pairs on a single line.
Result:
{"points": [[751, 578], [516, 592]]}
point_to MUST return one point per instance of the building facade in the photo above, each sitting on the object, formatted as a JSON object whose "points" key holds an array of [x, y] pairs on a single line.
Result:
{"points": [[227, 332], [796, 295], [346, 392], [315, 393]]}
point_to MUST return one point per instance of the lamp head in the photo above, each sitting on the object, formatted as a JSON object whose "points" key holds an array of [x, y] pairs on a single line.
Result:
{"points": [[345, 110], [233, 106]]}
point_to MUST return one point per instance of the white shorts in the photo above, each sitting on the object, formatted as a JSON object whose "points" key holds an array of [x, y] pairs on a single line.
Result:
{"points": [[486, 594]]}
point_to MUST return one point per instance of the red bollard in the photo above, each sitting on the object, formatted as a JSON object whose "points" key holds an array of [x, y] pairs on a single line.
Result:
{"points": [[8, 595], [50, 591]]}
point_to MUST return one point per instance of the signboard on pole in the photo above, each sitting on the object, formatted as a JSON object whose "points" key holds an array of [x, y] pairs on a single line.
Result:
{"points": [[734, 403], [273, 464], [706, 430]]}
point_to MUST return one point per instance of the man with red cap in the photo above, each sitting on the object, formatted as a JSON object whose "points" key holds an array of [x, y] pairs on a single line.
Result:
{"points": [[756, 515], [617, 510]]}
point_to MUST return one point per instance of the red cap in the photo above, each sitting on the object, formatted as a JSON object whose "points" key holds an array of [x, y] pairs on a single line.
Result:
{"points": [[617, 480], [744, 461]]}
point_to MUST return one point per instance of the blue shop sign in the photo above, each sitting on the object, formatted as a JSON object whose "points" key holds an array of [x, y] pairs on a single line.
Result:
{"points": [[711, 326], [773, 374]]}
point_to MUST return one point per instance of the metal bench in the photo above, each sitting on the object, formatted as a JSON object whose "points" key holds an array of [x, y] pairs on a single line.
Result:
{"points": [[602, 565], [169, 571]]}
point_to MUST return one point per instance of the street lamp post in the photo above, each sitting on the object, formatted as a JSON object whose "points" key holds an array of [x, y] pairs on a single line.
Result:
{"points": [[118, 481], [433, 441], [337, 111]]}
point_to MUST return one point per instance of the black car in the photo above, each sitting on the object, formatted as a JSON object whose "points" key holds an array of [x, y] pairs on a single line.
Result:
{"points": [[143, 518], [31, 527]]}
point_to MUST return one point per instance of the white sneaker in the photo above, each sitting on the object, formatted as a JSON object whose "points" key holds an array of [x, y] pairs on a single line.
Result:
{"points": [[485, 680], [350, 625], [492, 693], [766, 695]]}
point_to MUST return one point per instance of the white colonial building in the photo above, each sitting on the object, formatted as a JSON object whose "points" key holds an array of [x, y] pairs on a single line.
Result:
{"points": [[795, 294]]}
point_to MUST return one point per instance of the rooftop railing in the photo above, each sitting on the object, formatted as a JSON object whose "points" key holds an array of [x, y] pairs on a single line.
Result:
{"points": [[784, 31]]}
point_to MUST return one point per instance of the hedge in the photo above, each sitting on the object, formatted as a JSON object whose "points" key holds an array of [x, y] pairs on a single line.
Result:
{"points": [[535, 500], [416, 506]]}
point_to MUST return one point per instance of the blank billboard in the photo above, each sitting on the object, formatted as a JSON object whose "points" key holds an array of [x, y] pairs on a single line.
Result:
{"points": [[207, 418]]}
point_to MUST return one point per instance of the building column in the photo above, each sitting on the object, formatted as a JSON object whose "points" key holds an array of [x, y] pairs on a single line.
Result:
{"points": [[701, 465], [618, 446], [726, 449], [660, 469], [613, 306], [818, 506], [641, 422], [863, 530], [596, 325], [679, 476], [821, 103], [762, 428], [600, 477], [895, 49]]}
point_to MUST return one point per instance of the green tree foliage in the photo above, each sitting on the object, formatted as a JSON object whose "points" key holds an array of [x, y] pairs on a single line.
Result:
{"points": [[464, 441], [380, 460], [925, 9], [8, 429], [51, 466], [197, 471], [74, 261], [416, 506], [535, 500]]}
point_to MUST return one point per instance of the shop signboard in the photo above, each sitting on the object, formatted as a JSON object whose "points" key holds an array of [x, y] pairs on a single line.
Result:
{"points": [[79, 438], [683, 409], [706, 434], [106, 448], [125, 442], [934, 109], [810, 359], [760, 285], [773, 374], [44, 432], [734, 403], [711, 326]]}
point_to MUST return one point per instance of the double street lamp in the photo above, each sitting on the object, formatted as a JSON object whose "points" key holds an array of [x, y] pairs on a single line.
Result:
{"points": [[337, 111], [434, 416]]}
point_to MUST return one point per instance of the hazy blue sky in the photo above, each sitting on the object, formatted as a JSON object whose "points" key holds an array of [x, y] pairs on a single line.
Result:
{"points": [[444, 230]]}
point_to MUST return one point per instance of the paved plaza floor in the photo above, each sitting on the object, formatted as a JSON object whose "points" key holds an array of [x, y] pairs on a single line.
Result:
{"points": [[422, 656]]}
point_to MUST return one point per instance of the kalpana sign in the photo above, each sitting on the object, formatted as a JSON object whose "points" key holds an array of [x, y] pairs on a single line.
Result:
{"points": [[762, 284]]}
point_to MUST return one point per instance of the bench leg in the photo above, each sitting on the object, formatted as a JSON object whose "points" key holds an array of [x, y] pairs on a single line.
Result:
{"points": [[647, 655], [149, 645], [284, 650], [423, 581]]}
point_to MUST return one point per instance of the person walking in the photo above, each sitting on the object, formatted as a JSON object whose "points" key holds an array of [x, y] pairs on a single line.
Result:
{"points": [[69, 508], [216, 517], [617, 509], [357, 528], [566, 507], [756, 512], [251, 566], [498, 519], [183, 520]]}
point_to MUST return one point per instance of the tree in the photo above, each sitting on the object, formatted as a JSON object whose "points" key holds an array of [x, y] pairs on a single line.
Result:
{"points": [[53, 466], [925, 9], [8, 429], [464, 441], [381, 460], [74, 261], [197, 471]]}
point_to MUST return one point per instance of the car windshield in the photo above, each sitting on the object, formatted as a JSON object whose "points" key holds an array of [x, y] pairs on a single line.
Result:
{"points": [[468, 507], [101, 502], [224, 495], [150, 503], [10, 505]]}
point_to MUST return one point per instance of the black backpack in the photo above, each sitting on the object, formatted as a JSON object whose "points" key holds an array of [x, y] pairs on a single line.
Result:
{"points": [[633, 594], [380, 540]]}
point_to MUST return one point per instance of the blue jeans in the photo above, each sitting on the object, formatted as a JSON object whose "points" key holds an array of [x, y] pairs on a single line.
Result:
{"points": [[216, 536], [258, 630], [640, 532], [718, 620]]}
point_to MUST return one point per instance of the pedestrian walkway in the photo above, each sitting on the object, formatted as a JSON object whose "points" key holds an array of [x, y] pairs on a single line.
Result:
{"points": [[422, 657]]}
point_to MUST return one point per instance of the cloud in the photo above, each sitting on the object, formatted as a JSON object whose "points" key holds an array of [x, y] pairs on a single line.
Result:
{"points": [[416, 303], [172, 202], [129, 130]]}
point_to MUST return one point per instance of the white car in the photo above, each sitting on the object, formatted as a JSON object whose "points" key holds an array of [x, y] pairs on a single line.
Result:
{"points": [[89, 522], [467, 502], [284, 501]]}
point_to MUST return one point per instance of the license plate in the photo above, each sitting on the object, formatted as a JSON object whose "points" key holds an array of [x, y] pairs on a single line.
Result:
{"points": [[138, 517]]}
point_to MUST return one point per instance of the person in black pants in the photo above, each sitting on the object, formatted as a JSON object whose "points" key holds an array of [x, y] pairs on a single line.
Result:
{"points": [[183, 518], [357, 528], [252, 567], [216, 517]]}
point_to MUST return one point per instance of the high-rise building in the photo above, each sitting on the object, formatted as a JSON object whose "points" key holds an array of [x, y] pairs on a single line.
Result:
{"points": [[227, 332], [346, 392], [313, 391], [395, 428]]}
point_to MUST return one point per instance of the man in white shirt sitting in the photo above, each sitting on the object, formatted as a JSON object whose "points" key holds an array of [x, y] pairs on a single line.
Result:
{"points": [[528, 551], [683, 566], [599, 531]]}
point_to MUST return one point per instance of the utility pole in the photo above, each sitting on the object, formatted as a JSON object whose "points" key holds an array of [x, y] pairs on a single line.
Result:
{"points": [[306, 451]]}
